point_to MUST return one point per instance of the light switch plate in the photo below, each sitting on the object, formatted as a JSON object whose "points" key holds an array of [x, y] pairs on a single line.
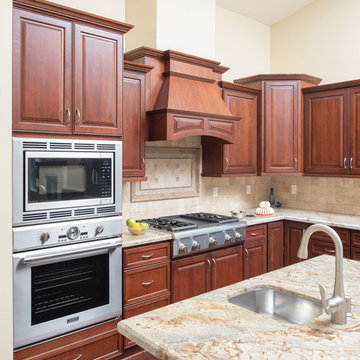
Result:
{"points": [[248, 189], [293, 189], [215, 191]]}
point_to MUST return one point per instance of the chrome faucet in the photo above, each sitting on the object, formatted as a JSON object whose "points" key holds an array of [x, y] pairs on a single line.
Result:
{"points": [[339, 305]]}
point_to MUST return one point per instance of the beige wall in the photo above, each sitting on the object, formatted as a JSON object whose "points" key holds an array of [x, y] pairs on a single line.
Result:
{"points": [[142, 14], [241, 44], [321, 39], [112, 9], [6, 324]]}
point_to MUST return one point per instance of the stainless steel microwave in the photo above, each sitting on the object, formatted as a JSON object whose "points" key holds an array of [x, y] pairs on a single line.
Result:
{"points": [[57, 180]]}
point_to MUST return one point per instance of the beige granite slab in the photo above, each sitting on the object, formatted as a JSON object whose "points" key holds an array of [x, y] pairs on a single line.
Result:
{"points": [[209, 327], [150, 236]]}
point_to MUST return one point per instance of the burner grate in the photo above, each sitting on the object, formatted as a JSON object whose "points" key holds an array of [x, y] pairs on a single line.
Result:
{"points": [[220, 219], [169, 224]]}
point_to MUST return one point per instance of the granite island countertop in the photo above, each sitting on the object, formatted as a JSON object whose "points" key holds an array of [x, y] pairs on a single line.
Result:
{"points": [[209, 327]]}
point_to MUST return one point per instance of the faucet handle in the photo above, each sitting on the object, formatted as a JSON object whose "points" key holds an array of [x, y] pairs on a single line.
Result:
{"points": [[348, 305], [323, 299]]}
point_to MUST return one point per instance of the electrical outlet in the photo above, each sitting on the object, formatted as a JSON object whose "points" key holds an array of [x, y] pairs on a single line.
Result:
{"points": [[293, 189], [215, 191], [248, 189]]}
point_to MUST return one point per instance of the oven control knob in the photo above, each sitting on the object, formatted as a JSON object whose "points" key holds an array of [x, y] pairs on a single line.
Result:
{"points": [[183, 248], [99, 229], [73, 233], [44, 237], [195, 245], [238, 236], [212, 241], [228, 239]]}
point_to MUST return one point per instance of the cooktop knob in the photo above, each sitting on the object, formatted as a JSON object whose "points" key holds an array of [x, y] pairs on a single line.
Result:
{"points": [[195, 245], [228, 239], [73, 233], [44, 237], [183, 248], [212, 241], [99, 229], [238, 236]]}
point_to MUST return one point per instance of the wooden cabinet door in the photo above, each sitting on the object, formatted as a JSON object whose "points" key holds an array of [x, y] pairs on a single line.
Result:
{"points": [[292, 238], [133, 124], [319, 247], [227, 267], [280, 127], [355, 253], [98, 73], [241, 157], [354, 131], [275, 244], [41, 73], [190, 277], [326, 115]]}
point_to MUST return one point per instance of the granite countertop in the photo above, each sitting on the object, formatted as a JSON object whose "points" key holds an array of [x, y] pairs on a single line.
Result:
{"points": [[209, 327], [338, 220]]}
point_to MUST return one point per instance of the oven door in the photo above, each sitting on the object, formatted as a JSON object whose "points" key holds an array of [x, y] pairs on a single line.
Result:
{"points": [[55, 180], [65, 288]]}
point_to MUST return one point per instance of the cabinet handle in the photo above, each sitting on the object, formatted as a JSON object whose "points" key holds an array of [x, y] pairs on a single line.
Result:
{"points": [[214, 262], [254, 234], [227, 162], [77, 112], [345, 163], [147, 256], [147, 283], [247, 253], [78, 357], [142, 162], [68, 113], [351, 163], [329, 251], [295, 161], [209, 263]]}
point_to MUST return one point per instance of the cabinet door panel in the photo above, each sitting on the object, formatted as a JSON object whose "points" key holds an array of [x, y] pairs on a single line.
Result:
{"points": [[255, 258], [281, 127], [354, 131], [275, 245], [227, 267], [98, 81], [190, 277], [133, 124], [326, 132], [355, 253], [240, 158], [41, 73], [318, 247], [292, 239]]}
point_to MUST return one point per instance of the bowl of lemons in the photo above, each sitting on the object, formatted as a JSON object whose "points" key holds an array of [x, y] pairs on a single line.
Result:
{"points": [[136, 228]]}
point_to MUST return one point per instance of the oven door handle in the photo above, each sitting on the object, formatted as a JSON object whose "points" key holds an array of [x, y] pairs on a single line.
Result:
{"points": [[110, 246]]}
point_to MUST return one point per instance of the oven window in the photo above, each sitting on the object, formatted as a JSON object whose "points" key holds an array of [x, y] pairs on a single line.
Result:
{"points": [[54, 179], [68, 287]]}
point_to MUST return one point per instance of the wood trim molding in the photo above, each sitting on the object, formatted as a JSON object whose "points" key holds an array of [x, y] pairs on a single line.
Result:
{"points": [[67, 13], [190, 59], [130, 65], [333, 86], [142, 52], [233, 86], [264, 77], [187, 76], [220, 69]]}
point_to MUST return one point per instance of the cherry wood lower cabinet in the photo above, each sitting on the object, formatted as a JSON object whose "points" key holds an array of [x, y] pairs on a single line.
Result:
{"points": [[293, 232], [98, 342], [198, 274], [255, 251], [355, 245], [275, 246]]}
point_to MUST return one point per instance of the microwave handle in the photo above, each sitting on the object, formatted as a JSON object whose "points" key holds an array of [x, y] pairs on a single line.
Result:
{"points": [[30, 259]]}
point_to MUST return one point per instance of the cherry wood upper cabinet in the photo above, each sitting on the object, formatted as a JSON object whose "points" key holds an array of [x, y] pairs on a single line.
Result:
{"points": [[281, 121], [98, 81], [239, 158], [332, 129], [41, 73], [67, 71], [134, 120]]}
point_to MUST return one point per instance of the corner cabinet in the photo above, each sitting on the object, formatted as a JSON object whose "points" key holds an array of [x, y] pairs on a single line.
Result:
{"points": [[134, 120], [67, 71], [239, 158], [281, 121], [332, 129]]}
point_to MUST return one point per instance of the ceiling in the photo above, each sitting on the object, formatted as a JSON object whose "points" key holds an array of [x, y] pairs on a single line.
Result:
{"points": [[265, 11]]}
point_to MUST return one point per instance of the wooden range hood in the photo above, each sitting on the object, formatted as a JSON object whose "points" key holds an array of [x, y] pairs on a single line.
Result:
{"points": [[184, 97]]}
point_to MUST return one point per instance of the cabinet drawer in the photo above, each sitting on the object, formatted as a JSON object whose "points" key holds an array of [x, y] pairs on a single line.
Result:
{"points": [[146, 255], [255, 232], [318, 247], [344, 235], [355, 238], [137, 309], [141, 284], [102, 349]]}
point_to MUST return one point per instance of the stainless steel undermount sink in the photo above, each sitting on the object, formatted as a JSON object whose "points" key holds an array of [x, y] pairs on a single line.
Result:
{"points": [[278, 305]]}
